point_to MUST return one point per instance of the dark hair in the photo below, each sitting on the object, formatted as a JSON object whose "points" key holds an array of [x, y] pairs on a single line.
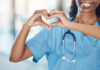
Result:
{"points": [[74, 9]]}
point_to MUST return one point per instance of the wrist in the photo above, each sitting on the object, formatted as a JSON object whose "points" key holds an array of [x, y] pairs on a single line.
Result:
{"points": [[26, 26], [72, 24], [69, 25]]}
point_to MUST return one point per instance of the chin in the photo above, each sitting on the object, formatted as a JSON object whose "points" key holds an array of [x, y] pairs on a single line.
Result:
{"points": [[87, 9]]}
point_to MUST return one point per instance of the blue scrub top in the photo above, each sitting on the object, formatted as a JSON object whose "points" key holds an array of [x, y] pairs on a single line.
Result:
{"points": [[49, 43]]}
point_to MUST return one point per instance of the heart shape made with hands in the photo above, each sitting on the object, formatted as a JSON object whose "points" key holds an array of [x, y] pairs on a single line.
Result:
{"points": [[49, 21]]}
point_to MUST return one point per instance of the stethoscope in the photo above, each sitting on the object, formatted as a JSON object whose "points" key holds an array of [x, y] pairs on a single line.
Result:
{"points": [[73, 54], [74, 39]]}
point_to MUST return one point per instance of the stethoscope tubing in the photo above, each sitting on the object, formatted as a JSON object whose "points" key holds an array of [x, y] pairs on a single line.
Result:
{"points": [[74, 38]]}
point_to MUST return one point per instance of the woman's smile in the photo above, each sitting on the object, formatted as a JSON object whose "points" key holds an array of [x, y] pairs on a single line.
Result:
{"points": [[86, 4]]}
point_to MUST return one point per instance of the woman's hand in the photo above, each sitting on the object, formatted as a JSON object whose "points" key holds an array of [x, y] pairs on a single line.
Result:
{"points": [[63, 21], [35, 19]]}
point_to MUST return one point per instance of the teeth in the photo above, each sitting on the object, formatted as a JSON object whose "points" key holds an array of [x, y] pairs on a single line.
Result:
{"points": [[86, 4]]}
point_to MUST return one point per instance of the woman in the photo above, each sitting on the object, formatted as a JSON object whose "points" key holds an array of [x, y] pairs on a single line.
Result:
{"points": [[63, 54]]}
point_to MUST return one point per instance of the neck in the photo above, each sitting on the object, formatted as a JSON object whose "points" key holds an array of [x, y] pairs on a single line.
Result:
{"points": [[86, 17]]}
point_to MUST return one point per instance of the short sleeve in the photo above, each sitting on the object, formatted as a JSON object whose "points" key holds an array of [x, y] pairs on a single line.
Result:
{"points": [[38, 44]]}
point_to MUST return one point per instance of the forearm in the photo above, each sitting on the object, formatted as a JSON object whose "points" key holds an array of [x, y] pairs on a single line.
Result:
{"points": [[19, 44], [91, 30]]}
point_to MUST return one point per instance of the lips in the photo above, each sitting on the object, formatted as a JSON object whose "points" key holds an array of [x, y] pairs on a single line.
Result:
{"points": [[86, 4]]}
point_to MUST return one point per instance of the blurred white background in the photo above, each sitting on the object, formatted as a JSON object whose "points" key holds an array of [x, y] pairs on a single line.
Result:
{"points": [[13, 14]]}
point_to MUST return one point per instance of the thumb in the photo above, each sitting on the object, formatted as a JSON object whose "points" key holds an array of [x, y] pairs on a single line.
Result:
{"points": [[53, 25], [45, 24]]}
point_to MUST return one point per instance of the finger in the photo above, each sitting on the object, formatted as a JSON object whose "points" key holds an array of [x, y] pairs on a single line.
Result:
{"points": [[42, 11], [39, 14], [55, 12], [37, 23], [55, 15], [44, 24], [53, 25], [45, 11], [36, 17]]}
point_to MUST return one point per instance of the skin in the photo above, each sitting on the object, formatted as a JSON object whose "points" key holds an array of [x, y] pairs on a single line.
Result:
{"points": [[21, 52]]}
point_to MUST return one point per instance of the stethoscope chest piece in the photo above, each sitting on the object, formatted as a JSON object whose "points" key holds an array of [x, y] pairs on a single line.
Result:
{"points": [[69, 60]]}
